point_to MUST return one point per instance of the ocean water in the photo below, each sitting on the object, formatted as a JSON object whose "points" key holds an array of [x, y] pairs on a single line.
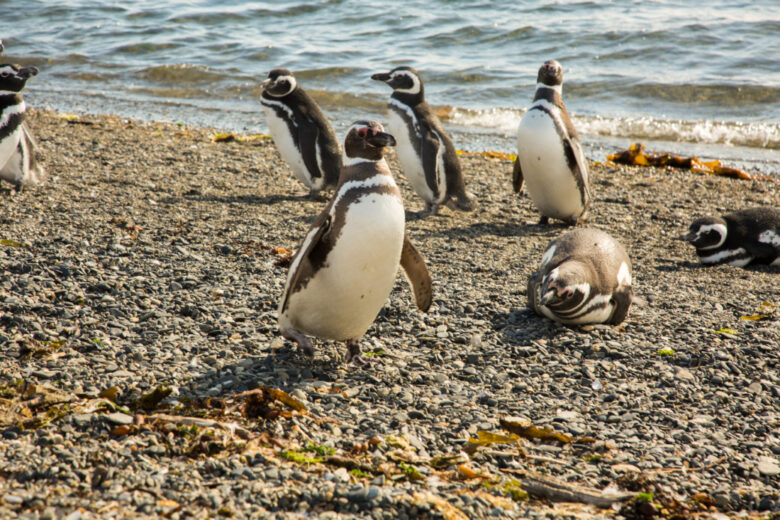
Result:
{"points": [[691, 79]]}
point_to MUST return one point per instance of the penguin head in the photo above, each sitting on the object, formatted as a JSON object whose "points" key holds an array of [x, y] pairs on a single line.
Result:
{"points": [[366, 140], [405, 80], [706, 233], [565, 287], [280, 83], [13, 77], [550, 74]]}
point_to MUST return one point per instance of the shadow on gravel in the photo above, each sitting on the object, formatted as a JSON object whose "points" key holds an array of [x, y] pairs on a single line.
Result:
{"points": [[233, 199], [521, 326], [512, 228]]}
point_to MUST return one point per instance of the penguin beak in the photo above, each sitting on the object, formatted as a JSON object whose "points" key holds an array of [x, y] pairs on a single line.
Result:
{"points": [[1, 47], [27, 72], [688, 237], [547, 297], [381, 139], [381, 76], [265, 83]]}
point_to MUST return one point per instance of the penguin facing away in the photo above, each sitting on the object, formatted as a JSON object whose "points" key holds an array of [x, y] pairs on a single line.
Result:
{"points": [[748, 236], [584, 277], [345, 268], [424, 149], [550, 159], [17, 146], [302, 134]]}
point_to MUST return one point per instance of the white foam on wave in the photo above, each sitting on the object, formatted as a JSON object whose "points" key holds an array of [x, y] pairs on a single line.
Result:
{"points": [[752, 135]]}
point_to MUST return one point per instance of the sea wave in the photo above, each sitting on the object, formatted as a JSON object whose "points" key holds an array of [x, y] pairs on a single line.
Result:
{"points": [[753, 135]]}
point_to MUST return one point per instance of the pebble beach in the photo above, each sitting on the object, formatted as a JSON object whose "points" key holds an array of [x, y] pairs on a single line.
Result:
{"points": [[141, 373]]}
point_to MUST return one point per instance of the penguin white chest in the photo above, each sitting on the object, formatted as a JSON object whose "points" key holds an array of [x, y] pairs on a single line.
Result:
{"points": [[409, 156], [8, 146], [550, 182], [283, 139], [342, 299]]}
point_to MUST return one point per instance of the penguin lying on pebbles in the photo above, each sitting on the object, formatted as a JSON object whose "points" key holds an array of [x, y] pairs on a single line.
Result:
{"points": [[585, 277], [304, 137], [344, 271], [424, 149], [739, 238], [17, 146], [549, 156]]}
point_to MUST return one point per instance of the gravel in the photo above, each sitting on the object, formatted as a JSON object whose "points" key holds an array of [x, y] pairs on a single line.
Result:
{"points": [[150, 261]]}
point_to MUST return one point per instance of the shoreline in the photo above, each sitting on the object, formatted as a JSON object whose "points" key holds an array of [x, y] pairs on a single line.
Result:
{"points": [[147, 261]]}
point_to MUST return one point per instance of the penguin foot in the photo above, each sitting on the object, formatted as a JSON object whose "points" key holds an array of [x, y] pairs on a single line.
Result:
{"points": [[354, 355], [430, 209], [544, 220], [304, 345]]}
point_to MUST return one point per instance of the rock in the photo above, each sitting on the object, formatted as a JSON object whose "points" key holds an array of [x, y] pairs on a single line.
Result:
{"points": [[768, 466], [119, 418]]}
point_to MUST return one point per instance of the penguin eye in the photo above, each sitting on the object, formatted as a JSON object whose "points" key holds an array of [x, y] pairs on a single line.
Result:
{"points": [[362, 132]]}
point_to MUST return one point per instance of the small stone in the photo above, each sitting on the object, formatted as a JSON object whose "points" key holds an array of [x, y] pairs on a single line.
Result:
{"points": [[14, 500], [684, 374], [119, 418], [755, 387], [768, 466]]}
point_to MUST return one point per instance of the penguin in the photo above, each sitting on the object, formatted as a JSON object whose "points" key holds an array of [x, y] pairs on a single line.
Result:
{"points": [[344, 270], [17, 146], [302, 134], [425, 150], [549, 156], [584, 277], [748, 236]]}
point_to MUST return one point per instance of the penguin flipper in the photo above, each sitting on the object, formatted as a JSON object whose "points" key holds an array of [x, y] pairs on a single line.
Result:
{"points": [[301, 261], [309, 134], [622, 298], [429, 151], [417, 274], [576, 159], [517, 176], [533, 283]]}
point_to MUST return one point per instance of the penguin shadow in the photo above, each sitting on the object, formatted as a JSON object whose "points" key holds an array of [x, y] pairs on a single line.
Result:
{"points": [[284, 368], [521, 325]]}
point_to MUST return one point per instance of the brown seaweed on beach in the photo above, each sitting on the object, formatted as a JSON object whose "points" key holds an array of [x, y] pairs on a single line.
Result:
{"points": [[636, 156]]}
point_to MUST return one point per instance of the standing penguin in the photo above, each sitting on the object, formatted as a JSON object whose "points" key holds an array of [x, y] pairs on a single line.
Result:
{"points": [[739, 238], [585, 277], [424, 149], [304, 137], [17, 146], [549, 154], [343, 272]]}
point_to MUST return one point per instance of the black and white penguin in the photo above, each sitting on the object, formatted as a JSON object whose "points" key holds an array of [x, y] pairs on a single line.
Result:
{"points": [[302, 134], [345, 268], [17, 146], [549, 156], [584, 277], [740, 238], [424, 149]]}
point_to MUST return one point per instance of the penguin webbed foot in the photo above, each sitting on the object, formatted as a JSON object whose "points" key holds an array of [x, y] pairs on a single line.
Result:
{"points": [[354, 355], [304, 345], [430, 208], [544, 220]]}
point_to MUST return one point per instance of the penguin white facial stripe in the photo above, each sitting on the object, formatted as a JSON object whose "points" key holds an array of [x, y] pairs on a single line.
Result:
{"points": [[376, 180], [11, 111], [7, 70], [624, 276], [720, 228], [548, 256], [352, 161], [722, 255], [290, 79], [557, 88], [414, 89], [769, 237], [278, 104]]}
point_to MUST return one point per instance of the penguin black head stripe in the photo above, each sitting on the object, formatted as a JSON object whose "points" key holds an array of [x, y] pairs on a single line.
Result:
{"points": [[13, 78], [280, 83]]}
